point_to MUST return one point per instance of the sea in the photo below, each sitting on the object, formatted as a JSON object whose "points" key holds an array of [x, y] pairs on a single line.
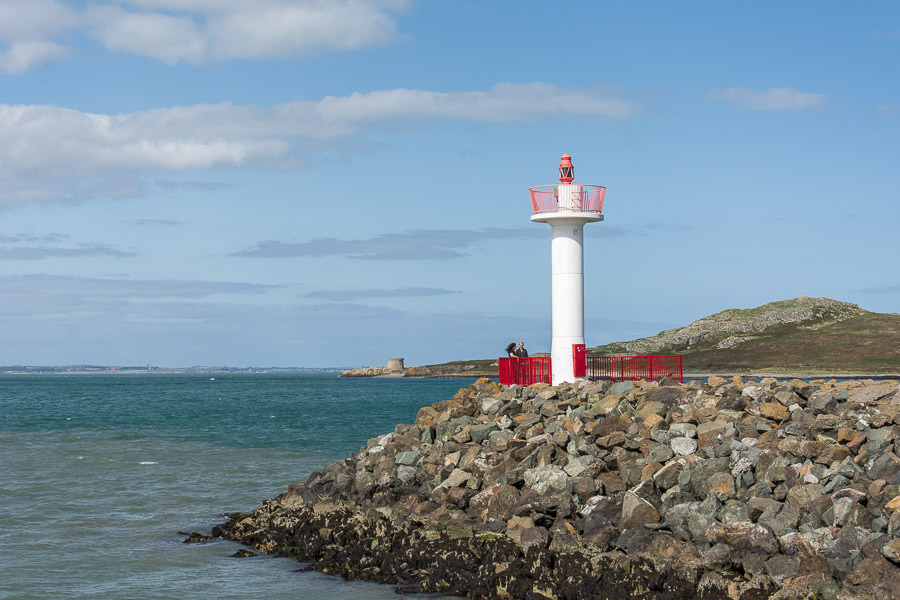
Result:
{"points": [[102, 476]]}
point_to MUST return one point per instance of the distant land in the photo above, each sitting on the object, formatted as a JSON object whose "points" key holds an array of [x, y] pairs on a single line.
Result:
{"points": [[486, 367], [82, 369], [814, 336]]}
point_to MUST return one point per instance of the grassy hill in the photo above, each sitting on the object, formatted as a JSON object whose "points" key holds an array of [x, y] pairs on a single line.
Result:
{"points": [[802, 335]]}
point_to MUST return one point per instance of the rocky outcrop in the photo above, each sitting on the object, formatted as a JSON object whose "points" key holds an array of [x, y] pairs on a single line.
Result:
{"points": [[732, 327], [459, 368], [716, 489], [370, 372]]}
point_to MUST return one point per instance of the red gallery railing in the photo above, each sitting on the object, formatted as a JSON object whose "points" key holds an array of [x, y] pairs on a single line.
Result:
{"points": [[622, 368], [577, 198], [536, 369], [524, 371]]}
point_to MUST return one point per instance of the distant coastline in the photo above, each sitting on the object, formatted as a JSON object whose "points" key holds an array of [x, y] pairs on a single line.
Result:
{"points": [[453, 369], [97, 369]]}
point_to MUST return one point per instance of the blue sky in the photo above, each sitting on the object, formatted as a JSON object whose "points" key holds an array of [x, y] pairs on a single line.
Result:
{"points": [[305, 183]]}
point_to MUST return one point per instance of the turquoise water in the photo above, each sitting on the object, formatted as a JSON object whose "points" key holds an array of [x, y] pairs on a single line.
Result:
{"points": [[102, 476]]}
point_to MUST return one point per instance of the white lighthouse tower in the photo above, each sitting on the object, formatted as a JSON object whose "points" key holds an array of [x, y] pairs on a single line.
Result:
{"points": [[567, 207]]}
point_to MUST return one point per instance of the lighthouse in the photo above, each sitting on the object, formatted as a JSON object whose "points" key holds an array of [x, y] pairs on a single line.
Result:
{"points": [[567, 207]]}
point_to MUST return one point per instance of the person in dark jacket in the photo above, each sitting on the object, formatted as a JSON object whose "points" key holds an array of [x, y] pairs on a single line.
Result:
{"points": [[521, 352]]}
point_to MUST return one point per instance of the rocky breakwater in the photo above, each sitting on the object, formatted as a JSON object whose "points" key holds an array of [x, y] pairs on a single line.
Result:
{"points": [[371, 372], [715, 489]]}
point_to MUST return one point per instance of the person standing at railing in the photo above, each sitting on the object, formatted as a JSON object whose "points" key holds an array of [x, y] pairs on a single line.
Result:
{"points": [[522, 369], [512, 364]]}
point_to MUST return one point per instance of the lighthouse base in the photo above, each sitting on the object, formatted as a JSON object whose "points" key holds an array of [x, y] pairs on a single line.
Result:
{"points": [[561, 359]]}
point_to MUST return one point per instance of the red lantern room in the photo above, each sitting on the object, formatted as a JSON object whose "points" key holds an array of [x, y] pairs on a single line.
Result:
{"points": [[566, 170]]}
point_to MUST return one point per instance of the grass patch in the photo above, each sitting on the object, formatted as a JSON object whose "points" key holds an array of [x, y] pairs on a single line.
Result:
{"points": [[868, 343]]}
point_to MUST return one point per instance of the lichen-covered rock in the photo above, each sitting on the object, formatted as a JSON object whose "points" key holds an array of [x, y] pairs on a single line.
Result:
{"points": [[719, 489]]}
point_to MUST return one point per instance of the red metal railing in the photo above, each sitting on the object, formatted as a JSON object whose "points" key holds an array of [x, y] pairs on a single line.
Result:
{"points": [[537, 369], [524, 371], [578, 198], [622, 368]]}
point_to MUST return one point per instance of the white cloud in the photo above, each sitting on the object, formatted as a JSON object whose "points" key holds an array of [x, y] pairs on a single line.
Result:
{"points": [[164, 37], [22, 56], [34, 19], [50, 140], [198, 32], [154, 222], [422, 244], [19, 253], [50, 152], [353, 295], [883, 289], [283, 29], [20, 294], [771, 99], [505, 102]]}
